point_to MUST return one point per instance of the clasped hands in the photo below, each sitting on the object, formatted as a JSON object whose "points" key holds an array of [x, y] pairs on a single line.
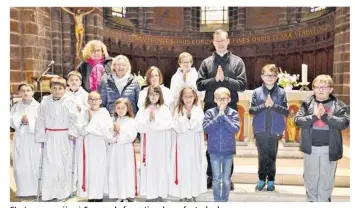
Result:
{"points": [[220, 75]]}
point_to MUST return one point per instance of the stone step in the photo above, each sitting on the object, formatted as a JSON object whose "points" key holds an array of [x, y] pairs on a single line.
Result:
{"points": [[243, 193]]}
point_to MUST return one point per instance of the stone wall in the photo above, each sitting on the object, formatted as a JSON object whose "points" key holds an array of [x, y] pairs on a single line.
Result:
{"points": [[30, 43], [341, 67]]}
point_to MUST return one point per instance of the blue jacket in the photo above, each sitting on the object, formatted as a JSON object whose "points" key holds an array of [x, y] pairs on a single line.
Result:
{"points": [[109, 93], [278, 111], [221, 130]]}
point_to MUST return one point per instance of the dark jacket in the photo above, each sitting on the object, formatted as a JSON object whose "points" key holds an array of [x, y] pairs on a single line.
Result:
{"points": [[221, 130], [278, 111], [338, 121], [234, 73], [109, 92], [85, 69]]}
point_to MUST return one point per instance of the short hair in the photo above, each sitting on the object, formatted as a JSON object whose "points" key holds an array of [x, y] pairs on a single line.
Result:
{"points": [[220, 32], [74, 73], [27, 85], [324, 78], [148, 75], [222, 90], [185, 54], [157, 90], [128, 105], [58, 81], [125, 59], [94, 93], [90, 47], [270, 68]]}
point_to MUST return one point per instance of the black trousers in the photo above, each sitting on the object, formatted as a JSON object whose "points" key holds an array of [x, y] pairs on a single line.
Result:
{"points": [[267, 146], [209, 167]]}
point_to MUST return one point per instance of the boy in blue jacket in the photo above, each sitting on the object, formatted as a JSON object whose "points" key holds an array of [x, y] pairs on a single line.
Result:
{"points": [[269, 108], [221, 123]]}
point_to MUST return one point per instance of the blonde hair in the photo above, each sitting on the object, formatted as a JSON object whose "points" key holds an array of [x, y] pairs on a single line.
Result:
{"points": [[222, 90], [94, 94], [219, 32], [58, 81], [324, 78], [183, 55], [270, 68], [90, 47], [125, 59], [74, 73]]}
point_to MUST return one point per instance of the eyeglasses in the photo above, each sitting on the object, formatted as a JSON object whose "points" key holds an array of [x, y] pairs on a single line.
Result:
{"points": [[94, 99], [222, 99], [322, 88], [269, 75]]}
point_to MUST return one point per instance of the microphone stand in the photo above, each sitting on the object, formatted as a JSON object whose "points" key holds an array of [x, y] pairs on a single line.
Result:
{"points": [[40, 79]]}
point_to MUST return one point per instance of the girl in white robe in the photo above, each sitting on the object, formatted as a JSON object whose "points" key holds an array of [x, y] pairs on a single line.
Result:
{"points": [[96, 133], [122, 176], [56, 125], [154, 124], [184, 76], [154, 78], [188, 173], [25, 150]]}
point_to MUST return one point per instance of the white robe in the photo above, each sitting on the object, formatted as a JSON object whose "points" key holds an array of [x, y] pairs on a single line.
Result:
{"points": [[80, 98], [97, 133], [168, 98], [190, 165], [25, 151], [177, 83], [58, 148], [154, 173], [122, 176]]}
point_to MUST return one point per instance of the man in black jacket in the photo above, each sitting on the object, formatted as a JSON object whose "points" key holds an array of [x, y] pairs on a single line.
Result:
{"points": [[222, 69]]}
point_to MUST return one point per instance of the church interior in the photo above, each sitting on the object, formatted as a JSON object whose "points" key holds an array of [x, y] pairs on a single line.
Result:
{"points": [[303, 41]]}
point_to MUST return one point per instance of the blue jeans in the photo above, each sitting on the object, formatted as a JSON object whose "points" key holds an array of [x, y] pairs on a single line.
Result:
{"points": [[221, 171]]}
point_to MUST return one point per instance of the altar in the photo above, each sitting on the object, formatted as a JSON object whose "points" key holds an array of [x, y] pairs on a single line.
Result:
{"points": [[291, 134]]}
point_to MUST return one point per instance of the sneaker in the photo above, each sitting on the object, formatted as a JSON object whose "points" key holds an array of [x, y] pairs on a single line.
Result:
{"points": [[270, 186], [260, 185]]}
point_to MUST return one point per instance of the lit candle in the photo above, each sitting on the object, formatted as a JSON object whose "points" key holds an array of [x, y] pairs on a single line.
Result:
{"points": [[304, 73]]}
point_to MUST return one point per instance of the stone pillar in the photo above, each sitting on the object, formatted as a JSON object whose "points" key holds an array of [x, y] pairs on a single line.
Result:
{"points": [[241, 18], [187, 19], [68, 42], [292, 15], [140, 23], [17, 73], [196, 19], [94, 26], [341, 65], [283, 15], [149, 17], [57, 38], [233, 18], [35, 41], [132, 13]]}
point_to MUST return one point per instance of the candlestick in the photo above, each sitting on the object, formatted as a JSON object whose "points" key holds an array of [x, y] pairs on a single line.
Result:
{"points": [[304, 73]]}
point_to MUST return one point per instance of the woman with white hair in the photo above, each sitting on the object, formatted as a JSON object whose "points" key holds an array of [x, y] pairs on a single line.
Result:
{"points": [[120, 83]]}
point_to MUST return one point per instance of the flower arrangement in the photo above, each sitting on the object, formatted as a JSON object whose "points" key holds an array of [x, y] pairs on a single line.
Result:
{"points": [[287, 80], [141, 80]]}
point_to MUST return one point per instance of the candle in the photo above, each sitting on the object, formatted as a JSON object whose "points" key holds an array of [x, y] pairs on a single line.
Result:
{"points": [[304, 73]]}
